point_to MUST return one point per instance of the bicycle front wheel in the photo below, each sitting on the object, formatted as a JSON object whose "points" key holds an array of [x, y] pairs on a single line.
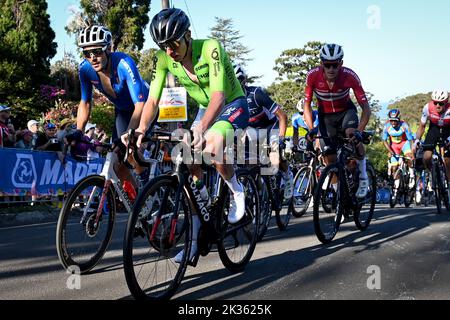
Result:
{"points": [[238, 242], [81, 237], [303, 191], [330, 187], [153, 238]]}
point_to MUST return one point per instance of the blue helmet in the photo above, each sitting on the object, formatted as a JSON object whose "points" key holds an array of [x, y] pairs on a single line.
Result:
{"points": [[394, 115]]}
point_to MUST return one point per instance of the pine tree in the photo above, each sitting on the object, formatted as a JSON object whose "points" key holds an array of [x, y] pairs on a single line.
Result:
{"points": [[230, 38]]}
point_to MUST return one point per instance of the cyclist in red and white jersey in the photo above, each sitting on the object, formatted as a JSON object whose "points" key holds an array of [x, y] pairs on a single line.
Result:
{"points": [[437, 112], [331, 84]]}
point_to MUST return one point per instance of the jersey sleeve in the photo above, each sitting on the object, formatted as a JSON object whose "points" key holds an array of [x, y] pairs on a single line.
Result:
{"points": [[130, 73], [295, 121], [408, 132], [425, 115], [262, 99], [309, 88], [385, 136], [355, 84], [85, 84], [215, 57], [158, 75]]}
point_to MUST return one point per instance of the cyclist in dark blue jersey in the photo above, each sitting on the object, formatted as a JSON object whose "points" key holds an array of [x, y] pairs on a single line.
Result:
{"points": [[266, 114], [116, 76]]}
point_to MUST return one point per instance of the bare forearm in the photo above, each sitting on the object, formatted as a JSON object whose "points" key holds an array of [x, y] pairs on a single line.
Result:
{"points": [[388, 147], [420, 132], [309, 116], [148, 114], [365, 117], [136, 117], [83, 114], [282, 118]]}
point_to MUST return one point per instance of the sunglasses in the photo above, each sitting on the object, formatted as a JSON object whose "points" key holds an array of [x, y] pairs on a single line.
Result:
{"points": [[332, 65], [442, 104], [94, 52], [174, 45]]}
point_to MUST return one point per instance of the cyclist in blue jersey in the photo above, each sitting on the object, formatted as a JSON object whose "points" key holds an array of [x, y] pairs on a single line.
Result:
{"points": [[266, 114], [298, 121], [116, 76]]}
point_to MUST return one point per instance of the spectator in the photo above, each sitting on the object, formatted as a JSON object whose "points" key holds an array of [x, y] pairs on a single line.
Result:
{"points": [[7, 134], [33, 126], [79, 150], [26, 142], [66, 127], [48, 141]]}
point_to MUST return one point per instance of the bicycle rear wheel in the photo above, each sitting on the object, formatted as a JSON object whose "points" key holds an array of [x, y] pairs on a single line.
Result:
{"points": [[238, 242], [265, 211], [150, 247], [80, 241], [326, 225], [303, 191]]}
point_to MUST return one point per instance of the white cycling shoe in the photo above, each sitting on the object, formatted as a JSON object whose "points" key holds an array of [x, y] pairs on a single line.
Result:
{"points": [[363, 188], [289, 186], [237, 207], [179, 257]]}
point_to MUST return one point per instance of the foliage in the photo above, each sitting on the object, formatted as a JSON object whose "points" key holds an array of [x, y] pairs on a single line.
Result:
{"points": [[64, 74], [224, 32], [26, 47], [126, 19]]}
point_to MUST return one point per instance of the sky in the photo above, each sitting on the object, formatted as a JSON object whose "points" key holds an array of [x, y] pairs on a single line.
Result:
{"points": [[397, 47]]}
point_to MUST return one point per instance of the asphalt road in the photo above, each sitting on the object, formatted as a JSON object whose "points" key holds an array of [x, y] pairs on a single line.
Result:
{"points": [[409, 247]]}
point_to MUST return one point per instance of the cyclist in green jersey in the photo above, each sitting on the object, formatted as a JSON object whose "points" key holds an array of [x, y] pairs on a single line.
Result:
{"points": [[205, 70]]}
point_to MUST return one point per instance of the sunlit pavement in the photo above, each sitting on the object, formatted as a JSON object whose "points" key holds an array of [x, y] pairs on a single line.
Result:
{"points": [[405, 254]]}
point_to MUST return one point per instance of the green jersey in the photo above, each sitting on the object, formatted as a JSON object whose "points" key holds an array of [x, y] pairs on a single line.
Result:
{"points": [[212, 67]]}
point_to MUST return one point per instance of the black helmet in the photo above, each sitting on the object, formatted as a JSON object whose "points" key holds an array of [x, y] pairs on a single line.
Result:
{"points": [[169, 25]]}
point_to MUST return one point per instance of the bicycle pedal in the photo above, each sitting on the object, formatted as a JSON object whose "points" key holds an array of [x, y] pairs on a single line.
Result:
{"points": [[193, 263]]}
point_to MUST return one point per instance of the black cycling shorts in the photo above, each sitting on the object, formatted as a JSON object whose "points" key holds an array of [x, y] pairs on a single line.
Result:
{"points": [[433, 136], [332, 124]]}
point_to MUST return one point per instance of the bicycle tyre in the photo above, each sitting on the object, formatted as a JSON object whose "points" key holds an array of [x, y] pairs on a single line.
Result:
{"points": [[65, 256]]}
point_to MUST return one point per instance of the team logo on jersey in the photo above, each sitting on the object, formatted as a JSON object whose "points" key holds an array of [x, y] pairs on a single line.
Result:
{"points": [[175, 65], [215, 54]]}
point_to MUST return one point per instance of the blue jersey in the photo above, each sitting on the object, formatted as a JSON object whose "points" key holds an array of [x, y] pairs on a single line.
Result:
{"points": [[397, 135], [261, 107], [299, 122], [126, 82]]}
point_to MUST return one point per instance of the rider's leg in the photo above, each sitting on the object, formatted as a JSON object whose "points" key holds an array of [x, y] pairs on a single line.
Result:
{"points": [[216, 139]]}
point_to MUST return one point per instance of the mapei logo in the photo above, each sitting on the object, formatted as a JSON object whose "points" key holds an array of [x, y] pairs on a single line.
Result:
{"points": [[24, 172]]}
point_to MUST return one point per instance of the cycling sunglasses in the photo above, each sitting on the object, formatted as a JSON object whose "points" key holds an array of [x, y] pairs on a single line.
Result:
{"points": [[442, 104], [334, 65], [94, 52]]}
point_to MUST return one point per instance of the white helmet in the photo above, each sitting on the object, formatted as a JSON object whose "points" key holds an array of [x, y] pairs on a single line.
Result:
{"points": [[93, 36], [241, 75], [300, 105], [439, 95], [331, 52]]}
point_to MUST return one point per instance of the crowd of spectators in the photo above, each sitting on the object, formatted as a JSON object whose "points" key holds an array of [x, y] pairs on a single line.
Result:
{"points": [[51, 137]]}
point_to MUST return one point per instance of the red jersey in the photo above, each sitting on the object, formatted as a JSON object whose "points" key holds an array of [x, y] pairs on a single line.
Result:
{"points": [[439, 119], [337, 98]]}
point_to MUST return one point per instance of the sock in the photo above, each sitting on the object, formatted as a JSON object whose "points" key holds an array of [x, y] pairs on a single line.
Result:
{"points": [[335, 186], [362, 165], [397, 184], [234, 185], [411, 172]]}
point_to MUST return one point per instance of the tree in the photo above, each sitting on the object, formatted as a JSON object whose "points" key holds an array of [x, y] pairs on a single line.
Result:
{"points": [[292, 67], [126, 19], [26, 47], [147, 63], [411, 108], [230, 38], [64, 74]]}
